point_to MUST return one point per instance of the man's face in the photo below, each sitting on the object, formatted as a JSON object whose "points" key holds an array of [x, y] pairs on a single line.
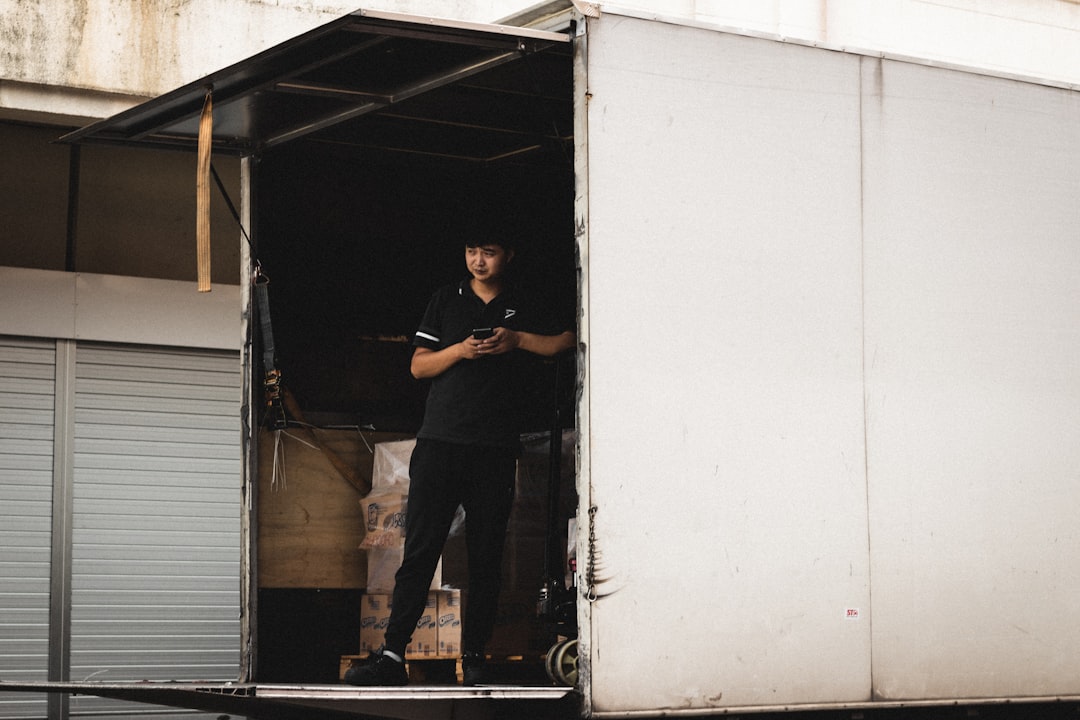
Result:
{"points": [[487, 262]]}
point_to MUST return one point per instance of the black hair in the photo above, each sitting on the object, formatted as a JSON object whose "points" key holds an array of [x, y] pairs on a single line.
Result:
{"points": [[493, 228], [473, 242]]}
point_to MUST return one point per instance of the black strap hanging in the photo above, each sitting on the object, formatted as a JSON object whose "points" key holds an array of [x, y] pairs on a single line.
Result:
{"points": [[275, 406]]}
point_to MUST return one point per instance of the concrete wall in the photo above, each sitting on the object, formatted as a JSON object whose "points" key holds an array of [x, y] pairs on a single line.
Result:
{"points": [[107, 54], [82, 59], [136, 209]]}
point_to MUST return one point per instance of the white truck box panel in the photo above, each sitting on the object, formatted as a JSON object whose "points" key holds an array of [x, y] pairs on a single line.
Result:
{"points": [[973, 422], [777, 234], [725, 356]]}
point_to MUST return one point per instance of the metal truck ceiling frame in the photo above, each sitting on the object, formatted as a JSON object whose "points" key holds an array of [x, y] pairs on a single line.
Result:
{"points": [[351, 67]]}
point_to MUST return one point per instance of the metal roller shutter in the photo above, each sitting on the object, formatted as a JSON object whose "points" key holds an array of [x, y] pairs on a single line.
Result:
{"points": [[156, 521], [27, 392]]}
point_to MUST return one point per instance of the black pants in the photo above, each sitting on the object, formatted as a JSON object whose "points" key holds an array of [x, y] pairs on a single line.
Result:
{"points": [[441, 477]]}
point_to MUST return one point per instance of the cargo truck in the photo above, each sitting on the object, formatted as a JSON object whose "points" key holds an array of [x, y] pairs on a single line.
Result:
{"points": [[827, 401]]}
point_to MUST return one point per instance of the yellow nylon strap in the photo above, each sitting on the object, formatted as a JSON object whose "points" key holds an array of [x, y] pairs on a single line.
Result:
{"points": [[202, 193]]}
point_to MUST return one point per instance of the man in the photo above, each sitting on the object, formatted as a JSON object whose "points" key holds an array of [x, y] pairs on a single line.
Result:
{"points": [[471, 344]]}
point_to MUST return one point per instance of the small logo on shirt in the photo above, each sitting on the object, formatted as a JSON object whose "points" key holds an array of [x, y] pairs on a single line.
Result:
{"points": [[510, 312]]}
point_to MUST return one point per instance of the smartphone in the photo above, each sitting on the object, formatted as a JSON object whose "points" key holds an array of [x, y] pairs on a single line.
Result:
{"points": [[483, 333]]}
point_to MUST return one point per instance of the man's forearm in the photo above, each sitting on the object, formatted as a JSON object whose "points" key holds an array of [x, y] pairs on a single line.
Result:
{"points": [[427, 364], [546, 345]]}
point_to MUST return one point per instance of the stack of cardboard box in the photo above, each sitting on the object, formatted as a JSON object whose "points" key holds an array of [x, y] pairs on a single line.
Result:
{"points": [[438, 632]]}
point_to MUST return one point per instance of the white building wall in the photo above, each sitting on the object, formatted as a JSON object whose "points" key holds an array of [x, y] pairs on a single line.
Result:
{"points": [[113, 308]]}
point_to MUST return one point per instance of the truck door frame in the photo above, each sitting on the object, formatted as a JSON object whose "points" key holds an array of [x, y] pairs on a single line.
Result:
{"points": [[248, 119]]}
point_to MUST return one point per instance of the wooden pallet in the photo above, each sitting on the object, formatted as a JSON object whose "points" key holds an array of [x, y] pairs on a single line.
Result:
{"points": [[443, 670], [423, 670]]}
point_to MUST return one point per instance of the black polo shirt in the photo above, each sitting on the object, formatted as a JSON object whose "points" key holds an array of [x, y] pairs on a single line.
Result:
{"points": [[478, 402]]}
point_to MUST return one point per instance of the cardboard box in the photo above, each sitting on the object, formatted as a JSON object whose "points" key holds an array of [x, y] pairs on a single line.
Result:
{"points": [[384, 519], [382, 566], [449, 622], [425, 639], [374, 617]]}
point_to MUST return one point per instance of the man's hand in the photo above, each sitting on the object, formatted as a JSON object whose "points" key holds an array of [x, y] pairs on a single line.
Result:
{"points": [[470, 348], [503, 340]]}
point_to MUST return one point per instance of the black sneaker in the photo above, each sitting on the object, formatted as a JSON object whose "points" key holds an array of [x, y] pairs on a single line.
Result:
{"points": [[379, 669], [473, 670]]}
